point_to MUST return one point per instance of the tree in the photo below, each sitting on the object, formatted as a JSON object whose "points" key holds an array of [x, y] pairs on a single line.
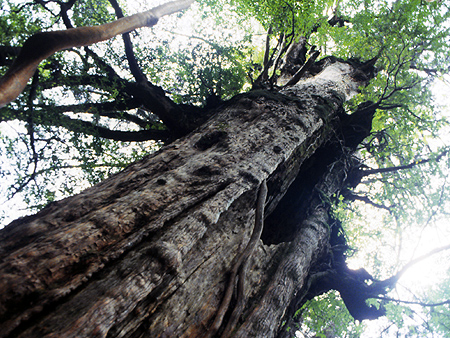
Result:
{"points": [[175, 244]]}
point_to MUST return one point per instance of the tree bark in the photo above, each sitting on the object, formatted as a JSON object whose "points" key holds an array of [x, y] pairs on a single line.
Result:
{"points": [[147, 252]]}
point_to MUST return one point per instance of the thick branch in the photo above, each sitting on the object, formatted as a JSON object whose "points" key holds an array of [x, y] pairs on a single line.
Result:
{"points": [[109, 109], [175, 117], [132, 62], [128, 136], [155, 99], [42, 45], [117, 135], [60, 120]]}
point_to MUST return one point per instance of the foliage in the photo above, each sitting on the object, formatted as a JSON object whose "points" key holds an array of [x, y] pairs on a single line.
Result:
{"points": [[68, 163], [437, 317], [327, 316], [288, 17], [209, 71]]}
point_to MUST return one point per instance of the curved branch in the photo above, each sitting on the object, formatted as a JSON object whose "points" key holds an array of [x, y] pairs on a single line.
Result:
{"points": [[391, 281], [110, 109], [418, 259], [41, 45], [178, 119], [89, 128]]}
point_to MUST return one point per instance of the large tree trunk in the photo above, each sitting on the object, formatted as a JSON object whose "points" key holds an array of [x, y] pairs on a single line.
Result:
{"points": [[147, 253]]}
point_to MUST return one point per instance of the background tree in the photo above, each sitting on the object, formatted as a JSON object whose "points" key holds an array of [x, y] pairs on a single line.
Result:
{"points": [[158, 250]]}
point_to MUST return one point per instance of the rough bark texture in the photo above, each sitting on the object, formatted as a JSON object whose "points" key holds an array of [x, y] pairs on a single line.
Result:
{"points": [[147, 252]]}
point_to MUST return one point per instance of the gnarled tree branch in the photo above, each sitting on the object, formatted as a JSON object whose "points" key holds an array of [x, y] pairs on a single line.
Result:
{"points": [[42, 45]]}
